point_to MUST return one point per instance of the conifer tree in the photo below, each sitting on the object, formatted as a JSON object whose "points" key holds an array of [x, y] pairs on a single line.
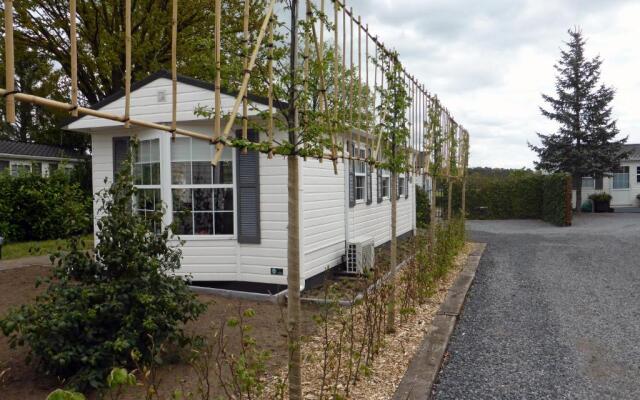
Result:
{"points": [[585, 143]]}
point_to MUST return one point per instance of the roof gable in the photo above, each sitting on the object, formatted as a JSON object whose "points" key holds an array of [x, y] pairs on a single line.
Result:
{"points": [[151, 101]]}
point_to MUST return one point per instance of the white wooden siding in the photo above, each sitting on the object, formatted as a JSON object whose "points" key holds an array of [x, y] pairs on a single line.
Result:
{"points": [[145, 105]]}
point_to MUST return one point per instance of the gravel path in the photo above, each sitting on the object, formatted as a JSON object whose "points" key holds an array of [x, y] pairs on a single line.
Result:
{"points": [[554, 313]]}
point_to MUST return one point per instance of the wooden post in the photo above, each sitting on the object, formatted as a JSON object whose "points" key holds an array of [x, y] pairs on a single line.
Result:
{"points": [[73, 36], [293, 233], [10, 103], [218, 99], [174, 68], [245, 99], [270, 87]]}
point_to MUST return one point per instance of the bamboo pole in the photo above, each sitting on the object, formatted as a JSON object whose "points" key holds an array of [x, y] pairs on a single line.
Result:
{"points": [[73, 36], [10, 103], [245, 80], [368, 102], [218, 98], [336, 95], [359, 101], [245, 99], [343, 87], [270, 87], [174, 68], [351, 78], [127, 62]]}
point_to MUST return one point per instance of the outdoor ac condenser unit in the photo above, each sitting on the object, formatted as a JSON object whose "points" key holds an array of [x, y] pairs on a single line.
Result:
{"points": [[360, 254]]}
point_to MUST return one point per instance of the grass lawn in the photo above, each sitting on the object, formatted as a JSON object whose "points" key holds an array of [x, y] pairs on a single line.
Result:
{"points": [[39, 248]]}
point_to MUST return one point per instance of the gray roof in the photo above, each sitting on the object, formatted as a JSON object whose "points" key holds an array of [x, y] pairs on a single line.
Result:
{"points": [[36, 150], [634, 149]]}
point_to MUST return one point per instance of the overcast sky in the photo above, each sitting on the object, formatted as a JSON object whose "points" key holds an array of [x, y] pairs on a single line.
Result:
{"points": [[490, 60]]}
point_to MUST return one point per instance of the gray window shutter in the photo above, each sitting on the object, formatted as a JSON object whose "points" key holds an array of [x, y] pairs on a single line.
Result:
{"points": [[369, 183], [379, 184], [248, 189], [574, 182], [406, 185], [120, 153], [352, 176], [4, 165], [599, 183], [397, 186]]}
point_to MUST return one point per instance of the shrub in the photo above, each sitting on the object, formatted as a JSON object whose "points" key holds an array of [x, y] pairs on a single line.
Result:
{"points": [[602, 196], [39, 208], [556, 200], [423, 208], [100, 312]]}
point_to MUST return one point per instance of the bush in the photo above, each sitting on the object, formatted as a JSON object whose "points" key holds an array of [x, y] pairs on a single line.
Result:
{"points": [[100, 312], [600, 197], [522, 194], [39, 208], [423, 208]]}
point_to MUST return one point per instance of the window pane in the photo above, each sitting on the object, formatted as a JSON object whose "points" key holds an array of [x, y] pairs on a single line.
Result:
{"points": [[53, 167], [201, 150], [183, 223], [137, 174], [203, 223], [227, 154], [37, 168], [224, 199], [154, 151], [202, 200], [588, 183], [223, 173], [224, 223], [182, 200], [144, 151], [181, 149], [146, 174], [201, 172], [181, 173], [155, 173]]}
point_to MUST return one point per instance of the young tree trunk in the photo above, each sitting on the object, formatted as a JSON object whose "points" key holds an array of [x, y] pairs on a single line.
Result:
{"points": [[463, 200], [578, 186], [391, 306], [293, 281], [433, 222], [293, 231], [449, 197]]}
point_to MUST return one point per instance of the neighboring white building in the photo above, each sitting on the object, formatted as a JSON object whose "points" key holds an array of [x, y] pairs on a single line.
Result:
{"points": [[39, 159], [236, 227], [623, 184]]}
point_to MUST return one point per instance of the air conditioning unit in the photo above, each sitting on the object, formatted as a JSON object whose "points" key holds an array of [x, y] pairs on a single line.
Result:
{"points": [[360, 254]]}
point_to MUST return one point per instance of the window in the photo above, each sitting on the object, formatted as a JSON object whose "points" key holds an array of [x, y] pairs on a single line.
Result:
{"points": [[361, 175], [202, 194], [588, 182], [621, 178], [20, 167], [401, 179], [146, 172], [637, 174], [386, 183]]}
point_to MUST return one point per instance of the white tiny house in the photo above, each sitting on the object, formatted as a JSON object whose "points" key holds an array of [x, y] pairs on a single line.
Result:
{"points": [[233, 217]]}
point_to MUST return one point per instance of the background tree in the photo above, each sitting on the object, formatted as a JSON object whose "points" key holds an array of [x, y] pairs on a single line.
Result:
{"points": [[585, 143]]}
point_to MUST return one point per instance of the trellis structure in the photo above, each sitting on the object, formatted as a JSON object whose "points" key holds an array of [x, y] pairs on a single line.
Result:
{"points": [[338, 97]]}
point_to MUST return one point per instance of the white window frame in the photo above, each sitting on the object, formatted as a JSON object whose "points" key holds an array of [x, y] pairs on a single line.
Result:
{"points": [[18, 164], [593, 183], [385, 176], [401, 179], [623, 168], [211, 186], [361, 169], [142, 187]]}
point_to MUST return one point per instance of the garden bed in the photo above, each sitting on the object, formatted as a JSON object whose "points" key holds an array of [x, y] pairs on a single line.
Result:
{"points": [[23, 382]]}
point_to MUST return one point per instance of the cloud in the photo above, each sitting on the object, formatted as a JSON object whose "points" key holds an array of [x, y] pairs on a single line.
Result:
{"points": [[490, 60]]}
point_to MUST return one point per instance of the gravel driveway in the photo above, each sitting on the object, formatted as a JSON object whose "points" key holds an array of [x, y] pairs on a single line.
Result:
{"points": [[554, 313]]}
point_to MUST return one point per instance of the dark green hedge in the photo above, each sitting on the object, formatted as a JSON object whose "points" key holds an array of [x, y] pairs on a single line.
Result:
{"points": [[39, 208], [520, 195]]}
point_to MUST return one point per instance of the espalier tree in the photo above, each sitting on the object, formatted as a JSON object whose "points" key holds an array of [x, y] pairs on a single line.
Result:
{"points": [[452, 167], [394, 129], [436, 140], [585, 143]]}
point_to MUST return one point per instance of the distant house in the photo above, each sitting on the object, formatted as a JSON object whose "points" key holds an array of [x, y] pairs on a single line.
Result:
{"points": [[233, 217], [622, 184], [39, 159]]}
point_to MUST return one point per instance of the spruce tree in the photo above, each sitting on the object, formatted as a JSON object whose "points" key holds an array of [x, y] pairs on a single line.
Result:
{"points": [[585, 143]]}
